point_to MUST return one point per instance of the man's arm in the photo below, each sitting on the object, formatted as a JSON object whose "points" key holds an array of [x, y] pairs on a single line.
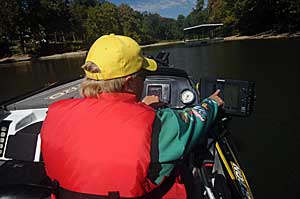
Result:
{"points": [[175, 132]]}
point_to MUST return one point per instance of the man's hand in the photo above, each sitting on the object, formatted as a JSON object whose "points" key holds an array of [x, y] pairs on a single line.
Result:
{"points": [[150, 99], [153, 101], [215, 97]]}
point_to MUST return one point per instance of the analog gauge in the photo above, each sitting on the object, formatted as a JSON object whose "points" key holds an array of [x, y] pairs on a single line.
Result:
{"points": [[187, 97]]}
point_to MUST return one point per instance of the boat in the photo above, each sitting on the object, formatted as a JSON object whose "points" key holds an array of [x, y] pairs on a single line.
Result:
{"points": [[21, 163]]}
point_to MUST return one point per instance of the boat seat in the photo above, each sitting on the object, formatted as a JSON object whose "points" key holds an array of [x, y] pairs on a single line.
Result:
{"points": [[24, 180]]}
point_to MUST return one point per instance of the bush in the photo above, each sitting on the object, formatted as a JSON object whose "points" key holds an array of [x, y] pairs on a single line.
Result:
{"points": [[5, 48], [57, 48]]}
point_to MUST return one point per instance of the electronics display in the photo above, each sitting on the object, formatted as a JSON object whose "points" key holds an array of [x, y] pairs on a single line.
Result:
{"points": [[238, 95], [160, 90]]}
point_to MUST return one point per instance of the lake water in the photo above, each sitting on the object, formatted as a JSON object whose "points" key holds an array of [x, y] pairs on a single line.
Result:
{"points": [[267, 141]]}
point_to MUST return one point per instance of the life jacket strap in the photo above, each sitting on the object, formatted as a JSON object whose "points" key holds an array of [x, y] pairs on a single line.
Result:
{"points": [[113, 195], [156, 193]]}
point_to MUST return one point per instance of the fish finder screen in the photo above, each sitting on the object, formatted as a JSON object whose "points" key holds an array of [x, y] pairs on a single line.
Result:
{"points": [[155, 90], [231, 95]]}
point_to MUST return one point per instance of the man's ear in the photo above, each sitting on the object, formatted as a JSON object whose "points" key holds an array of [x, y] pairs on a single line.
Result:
{"points": [[129, 78], [128, 83]]}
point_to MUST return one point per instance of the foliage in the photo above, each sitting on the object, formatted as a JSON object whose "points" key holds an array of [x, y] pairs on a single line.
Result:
{"points": [[35, 25], [9, 14], [199, 14], [131, 22], [256, 16], [102, 19]]}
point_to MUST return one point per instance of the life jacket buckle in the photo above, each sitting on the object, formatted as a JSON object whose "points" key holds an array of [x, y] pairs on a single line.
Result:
{"points": [[113, 195]]}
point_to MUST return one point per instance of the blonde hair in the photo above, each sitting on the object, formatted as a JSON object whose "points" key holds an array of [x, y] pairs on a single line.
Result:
{"points": [[92, 88]]}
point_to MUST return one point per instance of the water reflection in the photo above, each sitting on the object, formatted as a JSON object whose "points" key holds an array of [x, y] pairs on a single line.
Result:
{"points": [[22, 77]]}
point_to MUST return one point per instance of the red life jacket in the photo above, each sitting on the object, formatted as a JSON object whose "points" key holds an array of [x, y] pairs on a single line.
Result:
{"points": [[98, 145]]}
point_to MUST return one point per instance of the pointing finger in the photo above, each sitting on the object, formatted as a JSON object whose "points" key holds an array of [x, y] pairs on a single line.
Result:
{"points": [[216, 93]]}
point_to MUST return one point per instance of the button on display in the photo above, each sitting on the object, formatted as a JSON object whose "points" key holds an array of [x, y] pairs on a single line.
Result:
{"points": [[2, 134]]}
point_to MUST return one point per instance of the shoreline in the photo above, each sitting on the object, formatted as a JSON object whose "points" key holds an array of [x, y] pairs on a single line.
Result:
{"points": [[21, 58], [265, 35], [163, 43]]}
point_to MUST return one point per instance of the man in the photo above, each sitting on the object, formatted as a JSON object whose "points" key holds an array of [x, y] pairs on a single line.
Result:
{"points": [[109, 143]]}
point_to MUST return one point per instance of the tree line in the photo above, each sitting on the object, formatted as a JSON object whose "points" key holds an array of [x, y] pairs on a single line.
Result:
{"points": [[248, 17], [41, 27]]}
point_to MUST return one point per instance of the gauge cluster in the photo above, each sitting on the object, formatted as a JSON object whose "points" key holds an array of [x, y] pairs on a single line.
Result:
{"points": [[176, 92]]}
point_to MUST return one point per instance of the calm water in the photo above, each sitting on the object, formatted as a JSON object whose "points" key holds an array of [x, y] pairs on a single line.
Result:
{"points": [[23, 77], [267, 142]]}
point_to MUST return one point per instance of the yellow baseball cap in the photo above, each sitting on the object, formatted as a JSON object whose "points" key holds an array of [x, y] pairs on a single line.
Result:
{"points": [[117, 56]]}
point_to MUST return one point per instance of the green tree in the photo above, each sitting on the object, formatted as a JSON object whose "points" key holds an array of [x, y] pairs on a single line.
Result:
{"points": [[54, 18], [256, 16], [287, 15], [199, 5], [130, 21], [180, 25], [199, 14], [150, 27], [79, 15], [167, 29], [102, 19], [9, 15], [222, 11]]}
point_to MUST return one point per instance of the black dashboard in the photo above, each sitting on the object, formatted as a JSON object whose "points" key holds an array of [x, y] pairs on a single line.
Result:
{"points": [[172, 85], [176, 92]]}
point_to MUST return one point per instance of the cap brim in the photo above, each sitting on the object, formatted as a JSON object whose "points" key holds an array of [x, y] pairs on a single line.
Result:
{"points": [[149, 64]]}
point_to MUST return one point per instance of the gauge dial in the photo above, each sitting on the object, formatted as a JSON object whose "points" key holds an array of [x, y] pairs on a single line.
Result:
{"points": [[187, 97]]}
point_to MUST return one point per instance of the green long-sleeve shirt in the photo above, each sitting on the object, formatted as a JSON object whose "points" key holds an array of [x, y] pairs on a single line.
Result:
{"points": [[175, 132]]}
